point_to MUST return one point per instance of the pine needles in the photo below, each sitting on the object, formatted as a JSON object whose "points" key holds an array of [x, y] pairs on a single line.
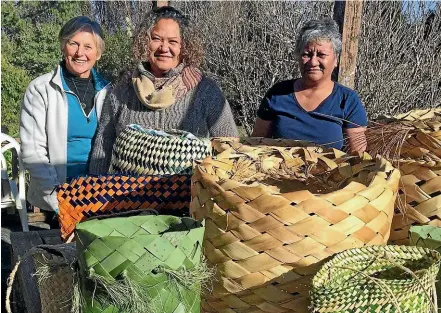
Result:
{"points": [[387, 139], [132, 296]]}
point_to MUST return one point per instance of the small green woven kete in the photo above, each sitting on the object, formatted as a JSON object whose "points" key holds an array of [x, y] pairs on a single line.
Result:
{"points": [[140, 264], [377, 279], [428, 237]]}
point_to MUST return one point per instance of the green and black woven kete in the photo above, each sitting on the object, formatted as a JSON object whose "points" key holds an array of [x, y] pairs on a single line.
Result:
{"points": [[428, 237], [150, 152], [145, 264], [90, 196], [377, 279]]}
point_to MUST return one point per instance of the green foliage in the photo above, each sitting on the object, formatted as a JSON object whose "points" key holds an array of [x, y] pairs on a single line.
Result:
{"points": [[29, 48], [14, 82], [117, 56], [33, 27]]}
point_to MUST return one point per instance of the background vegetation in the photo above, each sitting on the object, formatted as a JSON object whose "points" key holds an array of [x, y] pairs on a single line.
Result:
{"points": [[249, 46]]}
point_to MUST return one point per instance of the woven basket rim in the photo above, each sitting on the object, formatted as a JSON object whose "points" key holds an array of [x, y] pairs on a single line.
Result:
{"points": [[432, 164], [111, 175], [324, 270], [174, 133], [432, 112], [169, 219], [199, 168], [412, 115]]}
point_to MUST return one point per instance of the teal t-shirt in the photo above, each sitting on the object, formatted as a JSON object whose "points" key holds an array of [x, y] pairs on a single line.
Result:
{"points": [[81, 129], [324, 125]]}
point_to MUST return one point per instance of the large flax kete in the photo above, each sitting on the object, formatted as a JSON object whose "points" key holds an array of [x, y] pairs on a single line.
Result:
{"points": [[381, 279], [145, 264], [91, 196], [417, 154], [273, 213]]}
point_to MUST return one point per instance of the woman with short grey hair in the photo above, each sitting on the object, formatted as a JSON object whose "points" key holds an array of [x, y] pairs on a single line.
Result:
{"points": [[60, 113], [319, 30], [314, 108]]}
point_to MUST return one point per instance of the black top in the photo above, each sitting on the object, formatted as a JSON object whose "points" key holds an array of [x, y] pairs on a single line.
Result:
{"points": [[84, 88]]}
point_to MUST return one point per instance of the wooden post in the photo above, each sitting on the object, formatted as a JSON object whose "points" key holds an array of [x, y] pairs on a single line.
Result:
{"points": [[348, 15]]}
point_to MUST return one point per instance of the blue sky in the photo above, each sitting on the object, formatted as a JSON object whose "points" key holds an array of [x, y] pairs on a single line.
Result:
{"points": [[418, 11]]}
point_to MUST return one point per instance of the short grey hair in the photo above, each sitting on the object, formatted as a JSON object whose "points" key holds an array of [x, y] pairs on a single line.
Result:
{"points": [[319, 30], [82, 23]]}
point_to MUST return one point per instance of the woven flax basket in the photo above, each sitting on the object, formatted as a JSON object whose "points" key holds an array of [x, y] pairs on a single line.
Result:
{"points": [[145, 264], [273, 213], [147, 152], [90, 196], [428, 237], [383, 279], [418, 157], [54, 273]]}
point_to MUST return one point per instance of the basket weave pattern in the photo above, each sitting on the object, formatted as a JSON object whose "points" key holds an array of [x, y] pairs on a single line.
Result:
{"points": [[370, 279], [56, 292], [419, 161], [100, 195], [138, 152], [267, 244], [142, 248], [55, 282], [428, 237], [419, 201]]}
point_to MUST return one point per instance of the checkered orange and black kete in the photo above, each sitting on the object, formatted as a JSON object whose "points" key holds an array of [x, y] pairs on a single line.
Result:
{"points": [[90, 196]]}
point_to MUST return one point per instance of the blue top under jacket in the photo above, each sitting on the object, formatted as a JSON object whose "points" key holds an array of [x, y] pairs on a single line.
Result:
{"points": [[81, 129]]}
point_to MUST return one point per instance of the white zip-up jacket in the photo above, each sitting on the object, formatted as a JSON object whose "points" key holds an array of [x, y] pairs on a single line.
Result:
{"points": [[43, 136]]}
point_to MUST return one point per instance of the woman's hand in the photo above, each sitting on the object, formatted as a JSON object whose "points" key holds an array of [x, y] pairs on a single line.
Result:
{"points": [[356, 139], [262, 128]]}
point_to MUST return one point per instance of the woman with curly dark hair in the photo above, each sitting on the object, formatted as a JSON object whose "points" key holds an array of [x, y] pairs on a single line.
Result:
{"points": [[167, 91]]}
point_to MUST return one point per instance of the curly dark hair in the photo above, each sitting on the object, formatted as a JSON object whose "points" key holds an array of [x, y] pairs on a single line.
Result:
{"points": [[192, 52]]}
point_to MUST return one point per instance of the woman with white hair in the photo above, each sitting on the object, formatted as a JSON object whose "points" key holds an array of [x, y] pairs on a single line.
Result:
{"points": [[314, 108], [60, 113]]}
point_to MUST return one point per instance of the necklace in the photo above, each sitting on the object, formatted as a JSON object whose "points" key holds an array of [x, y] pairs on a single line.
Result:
{"points": [[82, 103]]}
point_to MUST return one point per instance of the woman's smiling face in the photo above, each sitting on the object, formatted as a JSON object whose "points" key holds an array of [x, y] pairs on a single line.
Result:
{"points": [[81, 53], [164, 46], [317, 61]]}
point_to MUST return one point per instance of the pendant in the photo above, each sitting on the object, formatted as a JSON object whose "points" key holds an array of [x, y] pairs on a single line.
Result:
{"points": [[83, 105]]}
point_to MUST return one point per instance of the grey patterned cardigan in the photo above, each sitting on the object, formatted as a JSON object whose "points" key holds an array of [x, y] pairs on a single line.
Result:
{"points": [[203, 111]]}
